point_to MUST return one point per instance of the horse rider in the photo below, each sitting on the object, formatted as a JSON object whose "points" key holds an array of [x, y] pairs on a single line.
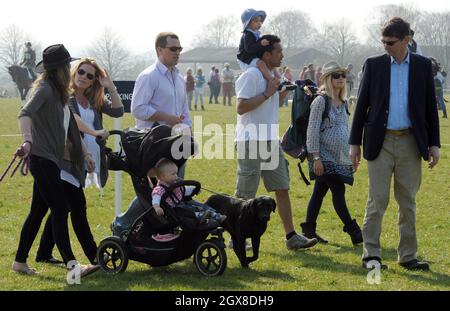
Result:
{"points": [[29, 60]]}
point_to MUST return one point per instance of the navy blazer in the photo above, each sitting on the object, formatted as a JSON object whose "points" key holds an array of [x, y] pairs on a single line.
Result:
{"points": [[372, 107], [249, 47]]}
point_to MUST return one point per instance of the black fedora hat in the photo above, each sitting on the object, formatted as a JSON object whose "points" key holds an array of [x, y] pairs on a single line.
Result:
{"points": [[53, 57]]}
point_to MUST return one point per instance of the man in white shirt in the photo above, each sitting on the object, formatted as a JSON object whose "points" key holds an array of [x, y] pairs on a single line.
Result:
{"points": [[259, 152], [159, 93]]}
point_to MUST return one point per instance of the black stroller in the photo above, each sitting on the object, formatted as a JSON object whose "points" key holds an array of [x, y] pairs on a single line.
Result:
{"points": [[135, 230]]}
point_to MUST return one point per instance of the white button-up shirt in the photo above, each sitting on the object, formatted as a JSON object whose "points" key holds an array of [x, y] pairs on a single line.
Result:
{"points": [[159, 89]]}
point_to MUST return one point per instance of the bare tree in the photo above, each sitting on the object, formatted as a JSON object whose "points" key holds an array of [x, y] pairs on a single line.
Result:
{"points": [[108, 50], [383, 13], [293, 27], [12, 40], [435, 34], [220, 32], [338, 40]]}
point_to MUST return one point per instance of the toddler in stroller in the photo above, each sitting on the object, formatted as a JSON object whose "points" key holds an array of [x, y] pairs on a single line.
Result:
{"points": [[167, 174], [135, 232]]}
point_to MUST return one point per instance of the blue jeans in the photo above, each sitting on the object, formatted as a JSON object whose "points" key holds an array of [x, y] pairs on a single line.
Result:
{"points": [[441, 104], [199, 209]]}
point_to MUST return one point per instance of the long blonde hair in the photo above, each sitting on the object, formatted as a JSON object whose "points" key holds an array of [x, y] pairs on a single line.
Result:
{"points": [[96, 92], [59, 80], [326, 86]]}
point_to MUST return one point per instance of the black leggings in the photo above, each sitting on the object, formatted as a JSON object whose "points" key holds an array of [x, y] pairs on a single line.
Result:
{"points": [[337, 188], [77, 207], [48, 192]]}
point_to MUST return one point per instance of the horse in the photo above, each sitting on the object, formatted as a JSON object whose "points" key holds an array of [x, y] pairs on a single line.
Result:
{"points": [[21, 78]]}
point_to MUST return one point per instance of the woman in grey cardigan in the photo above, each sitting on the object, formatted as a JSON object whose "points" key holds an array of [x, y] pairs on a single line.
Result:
{"points": [[88, 102], [327, 145], [52, 140]]}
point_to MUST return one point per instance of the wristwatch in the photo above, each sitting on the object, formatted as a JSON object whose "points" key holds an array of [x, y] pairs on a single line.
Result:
{"points": [[316, 158]]}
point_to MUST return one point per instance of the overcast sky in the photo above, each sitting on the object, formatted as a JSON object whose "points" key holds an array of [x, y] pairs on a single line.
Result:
{"points": [[77, 23]]}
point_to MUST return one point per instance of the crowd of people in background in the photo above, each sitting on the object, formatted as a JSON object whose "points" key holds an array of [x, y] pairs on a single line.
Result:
{"points": [[64, 115]]}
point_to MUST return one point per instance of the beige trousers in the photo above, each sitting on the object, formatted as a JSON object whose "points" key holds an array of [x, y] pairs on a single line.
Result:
{"points": [[399, 157]]}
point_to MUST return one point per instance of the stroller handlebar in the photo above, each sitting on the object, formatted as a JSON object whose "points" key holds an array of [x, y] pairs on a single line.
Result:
{"points": [[115, 132]]}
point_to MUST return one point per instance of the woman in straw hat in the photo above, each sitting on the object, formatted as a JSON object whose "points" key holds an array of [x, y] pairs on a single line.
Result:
{"points": [[327, 144]]}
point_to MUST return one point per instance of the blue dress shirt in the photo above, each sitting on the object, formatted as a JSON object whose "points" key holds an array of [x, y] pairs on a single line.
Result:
{"points": [[398, 118]]}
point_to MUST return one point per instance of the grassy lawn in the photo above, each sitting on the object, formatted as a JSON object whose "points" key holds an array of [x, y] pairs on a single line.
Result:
{"points": [[335, 266]]}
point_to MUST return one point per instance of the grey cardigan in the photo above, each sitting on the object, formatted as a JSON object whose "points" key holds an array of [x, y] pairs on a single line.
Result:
{"points": [[47, 116], [98, 125]]}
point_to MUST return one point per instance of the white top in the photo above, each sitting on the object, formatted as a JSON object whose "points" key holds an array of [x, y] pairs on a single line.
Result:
{"points": [[261, 123], [66, 121], [64, 175], [227, 75], [159, 89], [88, 115]]}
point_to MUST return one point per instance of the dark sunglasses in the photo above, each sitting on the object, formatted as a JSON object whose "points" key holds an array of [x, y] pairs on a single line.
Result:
{"points": [[389, 43], [337, 75], [174, 48], [81, 72]]}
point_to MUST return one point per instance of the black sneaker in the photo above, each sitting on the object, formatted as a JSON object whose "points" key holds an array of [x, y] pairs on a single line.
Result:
{"points": [[372, 263], [52, 260], [416, 265]]}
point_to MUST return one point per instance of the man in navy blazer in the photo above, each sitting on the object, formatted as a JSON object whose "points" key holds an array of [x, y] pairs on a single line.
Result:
{"points": [[397, 122]]}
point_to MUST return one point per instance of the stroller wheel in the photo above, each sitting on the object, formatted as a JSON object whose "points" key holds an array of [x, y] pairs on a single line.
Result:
{"points": [[210, 259], [112, 255]]}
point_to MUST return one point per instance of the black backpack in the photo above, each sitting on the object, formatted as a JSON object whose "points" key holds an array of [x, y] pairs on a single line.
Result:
{"points": [[293, 141]]}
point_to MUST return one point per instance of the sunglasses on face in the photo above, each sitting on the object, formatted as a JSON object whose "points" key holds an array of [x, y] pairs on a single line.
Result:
{"points": [[174, 48], [338, 75], [82, 72], [389, 43]]}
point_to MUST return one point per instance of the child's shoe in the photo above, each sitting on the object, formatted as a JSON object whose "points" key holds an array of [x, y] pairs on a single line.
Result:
{"points": [[206, 214]]}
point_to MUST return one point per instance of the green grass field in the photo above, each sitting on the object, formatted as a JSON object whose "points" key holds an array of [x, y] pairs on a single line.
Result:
{"points": [[336, 266]]}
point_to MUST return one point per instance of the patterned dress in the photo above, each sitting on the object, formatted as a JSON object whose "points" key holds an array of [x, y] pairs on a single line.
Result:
{"points": [[329, 137]]}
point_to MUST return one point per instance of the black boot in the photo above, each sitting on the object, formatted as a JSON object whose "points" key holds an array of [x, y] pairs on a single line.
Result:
{"points": [[309, 231], [354, 231]]}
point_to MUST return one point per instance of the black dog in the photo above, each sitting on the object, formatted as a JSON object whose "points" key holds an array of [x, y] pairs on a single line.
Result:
{"points": [[245, 219]]}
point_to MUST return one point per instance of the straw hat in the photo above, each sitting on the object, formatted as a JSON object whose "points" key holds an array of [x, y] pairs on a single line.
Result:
{"points": [[331, 67]]}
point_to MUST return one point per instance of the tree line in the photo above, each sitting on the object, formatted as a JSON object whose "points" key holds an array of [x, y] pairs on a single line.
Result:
{"points": [[339, 38], [295, 27]]}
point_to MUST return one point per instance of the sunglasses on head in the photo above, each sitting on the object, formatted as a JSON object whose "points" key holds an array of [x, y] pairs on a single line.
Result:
{"points": [[389, 43], [174, 48], [337, 75], [82, 72]]}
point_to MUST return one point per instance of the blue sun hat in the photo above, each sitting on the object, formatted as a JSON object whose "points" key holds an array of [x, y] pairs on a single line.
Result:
{"points": [[249, 14]]}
